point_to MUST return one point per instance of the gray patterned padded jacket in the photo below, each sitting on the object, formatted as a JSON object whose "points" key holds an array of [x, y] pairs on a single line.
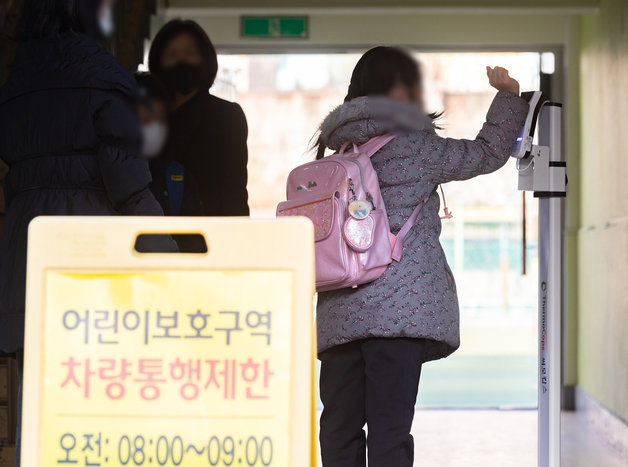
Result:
{"points": [[416, 297]]}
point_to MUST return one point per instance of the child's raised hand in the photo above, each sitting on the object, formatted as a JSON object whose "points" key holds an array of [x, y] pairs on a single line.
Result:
{"points": [[499, 78]]}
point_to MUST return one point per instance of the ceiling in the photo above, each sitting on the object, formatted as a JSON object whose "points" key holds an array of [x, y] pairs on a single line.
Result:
{"points": [[582, 6]]}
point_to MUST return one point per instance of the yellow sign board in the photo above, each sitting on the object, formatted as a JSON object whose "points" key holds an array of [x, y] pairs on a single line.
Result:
{"points": [[169, 359]]}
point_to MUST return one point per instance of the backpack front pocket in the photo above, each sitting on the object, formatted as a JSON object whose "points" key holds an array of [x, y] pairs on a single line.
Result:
{"points": [[319, 210], [331, 251]]}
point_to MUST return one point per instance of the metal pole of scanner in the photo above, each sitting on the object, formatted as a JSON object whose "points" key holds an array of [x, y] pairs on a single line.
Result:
{"points": [[543, 171]]}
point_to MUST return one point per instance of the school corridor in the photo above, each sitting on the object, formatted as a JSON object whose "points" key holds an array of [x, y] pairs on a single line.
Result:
{"points": [[287, 63]]}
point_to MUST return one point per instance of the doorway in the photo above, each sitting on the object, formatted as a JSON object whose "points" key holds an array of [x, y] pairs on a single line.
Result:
{"points": [[286, 96]]}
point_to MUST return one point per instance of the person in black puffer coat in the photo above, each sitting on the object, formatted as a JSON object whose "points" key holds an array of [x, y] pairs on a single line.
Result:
{"points": [[69, 134]]}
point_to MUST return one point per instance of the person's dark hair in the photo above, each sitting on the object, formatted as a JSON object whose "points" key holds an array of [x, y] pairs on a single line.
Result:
{"points": [[378, 71], [50, 19], [175, 28], [150, 87], [382, 68]]}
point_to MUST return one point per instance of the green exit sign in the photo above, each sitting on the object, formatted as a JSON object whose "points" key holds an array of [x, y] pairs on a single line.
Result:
{"points": [[275, 27]]}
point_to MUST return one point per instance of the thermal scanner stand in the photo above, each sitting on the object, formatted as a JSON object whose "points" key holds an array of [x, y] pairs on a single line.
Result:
{"points": [[543, 171]]}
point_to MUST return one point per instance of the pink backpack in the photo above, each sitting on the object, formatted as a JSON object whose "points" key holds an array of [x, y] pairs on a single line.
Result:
{"points": [[341, 196]]}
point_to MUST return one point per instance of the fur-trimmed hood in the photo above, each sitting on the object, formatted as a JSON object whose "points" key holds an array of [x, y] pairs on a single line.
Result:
{"points": [[364, 117]]}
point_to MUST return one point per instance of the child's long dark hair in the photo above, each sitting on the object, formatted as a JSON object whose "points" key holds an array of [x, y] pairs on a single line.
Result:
{"points": [[377, 72]]}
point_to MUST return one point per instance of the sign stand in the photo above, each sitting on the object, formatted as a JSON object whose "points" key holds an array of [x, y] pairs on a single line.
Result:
{"points": [[543, 171], [169, 359]]}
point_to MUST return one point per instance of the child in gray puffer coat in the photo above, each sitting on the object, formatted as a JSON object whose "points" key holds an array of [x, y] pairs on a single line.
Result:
{"points": [[373, 340]]}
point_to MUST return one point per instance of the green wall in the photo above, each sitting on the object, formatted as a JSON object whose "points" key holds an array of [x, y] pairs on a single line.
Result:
{"points": [[603, 236]]}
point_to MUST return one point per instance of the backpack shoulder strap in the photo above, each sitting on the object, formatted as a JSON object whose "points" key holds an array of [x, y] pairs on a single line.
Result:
{"points": [[398, 245], [370, 147], [375, 144]]}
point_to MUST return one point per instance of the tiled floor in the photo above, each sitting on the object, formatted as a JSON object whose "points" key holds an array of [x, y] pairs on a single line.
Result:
{"points": [[480, 438]]}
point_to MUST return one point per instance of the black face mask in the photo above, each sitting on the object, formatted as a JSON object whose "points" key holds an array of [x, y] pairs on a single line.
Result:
{"points": [[183, 78]]}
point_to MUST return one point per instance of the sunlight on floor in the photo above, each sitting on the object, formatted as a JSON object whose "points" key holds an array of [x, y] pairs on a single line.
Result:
{"points": [[503, 438]]}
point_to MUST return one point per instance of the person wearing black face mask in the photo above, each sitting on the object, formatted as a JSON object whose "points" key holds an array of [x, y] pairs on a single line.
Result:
{"points": [[71, 139], [207, 134]]}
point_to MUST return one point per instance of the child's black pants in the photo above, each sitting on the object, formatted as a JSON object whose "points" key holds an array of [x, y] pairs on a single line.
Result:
{"points": [[374, 382]]}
